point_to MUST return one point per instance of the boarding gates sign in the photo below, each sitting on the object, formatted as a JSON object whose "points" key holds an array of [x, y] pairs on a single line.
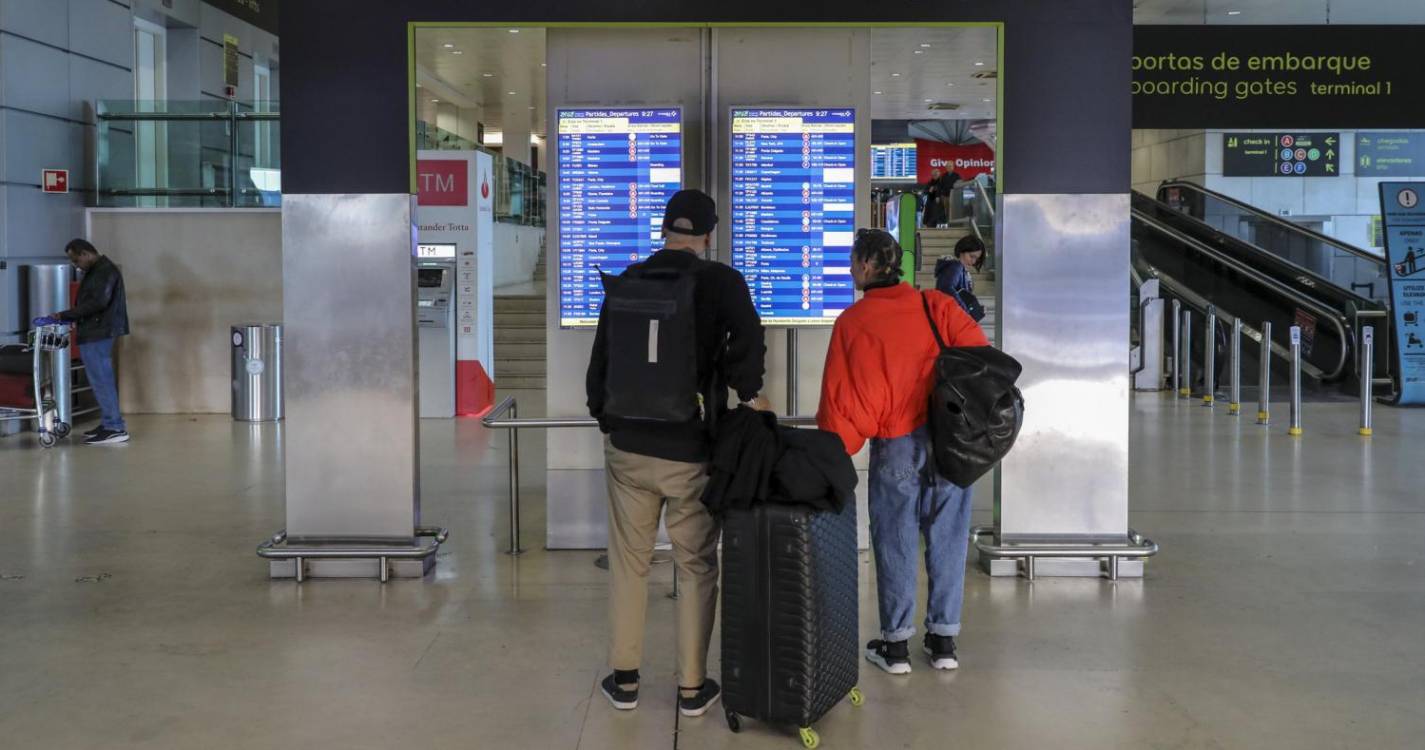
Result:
{"points": [[1336, 77], [1403, 215]]}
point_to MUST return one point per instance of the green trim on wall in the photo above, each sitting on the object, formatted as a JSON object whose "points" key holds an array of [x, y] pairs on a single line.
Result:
{"points": [[413, 26]]}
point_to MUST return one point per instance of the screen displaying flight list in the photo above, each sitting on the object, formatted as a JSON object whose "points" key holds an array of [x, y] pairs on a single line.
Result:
{"points": [[794, 211], [617, 169]]}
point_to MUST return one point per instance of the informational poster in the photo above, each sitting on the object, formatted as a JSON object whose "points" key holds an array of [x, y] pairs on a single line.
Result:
{"points": [[616, 169], [893, 161], [1281, 154], [1404, 217], [794, 211], [1390, 154], [969, 160]]}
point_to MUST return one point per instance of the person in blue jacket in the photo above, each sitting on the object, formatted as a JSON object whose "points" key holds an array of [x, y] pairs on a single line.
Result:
{"points": [[952, 275]]}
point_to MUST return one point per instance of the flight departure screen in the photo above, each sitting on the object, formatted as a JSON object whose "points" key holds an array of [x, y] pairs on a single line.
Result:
{"points": [[617, 169], [794, 211]]}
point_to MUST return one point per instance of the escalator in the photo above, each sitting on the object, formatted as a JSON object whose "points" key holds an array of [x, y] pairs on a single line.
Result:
{"points": [[1209, 251]]}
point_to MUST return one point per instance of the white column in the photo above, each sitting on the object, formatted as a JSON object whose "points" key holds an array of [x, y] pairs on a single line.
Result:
{"points": [[515, 121]]}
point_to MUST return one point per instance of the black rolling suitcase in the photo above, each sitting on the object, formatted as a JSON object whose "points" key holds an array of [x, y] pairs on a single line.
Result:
{"points": [[790, 646]]}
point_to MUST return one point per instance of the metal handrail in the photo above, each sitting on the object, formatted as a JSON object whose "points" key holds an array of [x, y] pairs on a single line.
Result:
{"points": [[984, 195], [180, 116], [1294, 227], [271, 550], [494, 420], [1323, 311], [1135, 546]]}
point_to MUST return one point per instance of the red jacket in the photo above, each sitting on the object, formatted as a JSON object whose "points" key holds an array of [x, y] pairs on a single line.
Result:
{"points": [[878, 375]]}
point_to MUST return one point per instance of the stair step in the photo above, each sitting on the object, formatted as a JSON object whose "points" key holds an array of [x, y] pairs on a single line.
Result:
{"points": [[506, 351], [519, 335], [520, 367], [520, 320], [519, 303], [519, 383]]}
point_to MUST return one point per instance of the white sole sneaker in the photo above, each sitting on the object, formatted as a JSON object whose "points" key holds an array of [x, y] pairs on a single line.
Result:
{"points": [[694, 713], [898, 668], [944, 662], [620, 705], [122, 437]]}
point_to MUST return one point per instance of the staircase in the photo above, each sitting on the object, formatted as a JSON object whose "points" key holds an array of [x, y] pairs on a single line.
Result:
{"points": [[519, 338], [937, 243]]}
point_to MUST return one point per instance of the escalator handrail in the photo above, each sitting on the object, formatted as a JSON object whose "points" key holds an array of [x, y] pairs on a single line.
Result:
{"points": [[1288, 225], [1323, 312]]}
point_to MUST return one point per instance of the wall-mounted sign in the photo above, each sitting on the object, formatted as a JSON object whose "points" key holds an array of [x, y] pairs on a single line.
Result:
{"points": [[230, 62], [968, 161], [55, 180], [893, 161], [1390, 154], [1271, 76], [1404, 217], [1281, 154]]}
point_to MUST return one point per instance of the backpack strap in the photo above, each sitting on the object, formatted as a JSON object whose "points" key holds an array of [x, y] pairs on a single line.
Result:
{"points": [[925, 302]]}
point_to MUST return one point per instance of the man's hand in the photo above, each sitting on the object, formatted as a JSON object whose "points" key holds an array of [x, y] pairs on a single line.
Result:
{"points": [[760, 403]]}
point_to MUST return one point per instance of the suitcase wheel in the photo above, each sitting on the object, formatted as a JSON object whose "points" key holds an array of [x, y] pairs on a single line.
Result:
{"points": [[734, 722], [857, 698], [810, 739]]}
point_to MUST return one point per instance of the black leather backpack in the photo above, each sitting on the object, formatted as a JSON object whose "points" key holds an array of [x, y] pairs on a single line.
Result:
{"points": [[975, 409]]}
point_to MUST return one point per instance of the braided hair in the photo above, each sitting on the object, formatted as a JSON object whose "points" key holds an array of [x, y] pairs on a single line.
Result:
{"points": [[882, 251]]}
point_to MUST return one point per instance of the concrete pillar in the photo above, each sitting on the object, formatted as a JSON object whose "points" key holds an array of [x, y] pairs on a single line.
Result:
{"points": [[515, 122]]}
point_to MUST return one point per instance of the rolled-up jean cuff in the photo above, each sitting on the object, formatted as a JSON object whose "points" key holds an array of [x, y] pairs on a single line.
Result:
{"points": [[943, 630], [896, 636]]}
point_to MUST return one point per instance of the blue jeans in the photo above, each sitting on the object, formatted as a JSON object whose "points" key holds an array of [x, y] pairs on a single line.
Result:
{"points": [[98, 357], [909, 499]]}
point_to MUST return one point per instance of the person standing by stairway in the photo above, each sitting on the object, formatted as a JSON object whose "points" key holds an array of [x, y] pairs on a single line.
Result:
{"points": [[953, 275], [101, 315]]}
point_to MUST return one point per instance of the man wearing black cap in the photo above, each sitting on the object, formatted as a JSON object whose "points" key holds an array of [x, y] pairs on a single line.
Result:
{"points": [[657, 466]]}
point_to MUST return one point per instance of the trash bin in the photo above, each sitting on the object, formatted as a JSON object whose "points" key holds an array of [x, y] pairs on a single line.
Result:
{"points": [[257, 372]]}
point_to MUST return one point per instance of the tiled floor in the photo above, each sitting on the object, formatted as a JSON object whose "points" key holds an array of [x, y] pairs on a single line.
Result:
{"points": [[1286, 610]]}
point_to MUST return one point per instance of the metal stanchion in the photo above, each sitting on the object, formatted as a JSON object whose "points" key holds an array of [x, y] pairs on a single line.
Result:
{"points": [[515, 484], [1264, 377], [1295, 429], [1177, 341], [1234, 406], [1209, 358], [1368, 346], [792, 371], [1185, 356]]}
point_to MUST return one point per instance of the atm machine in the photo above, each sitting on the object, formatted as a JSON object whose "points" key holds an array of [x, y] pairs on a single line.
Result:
{"points": [[435, 321]]}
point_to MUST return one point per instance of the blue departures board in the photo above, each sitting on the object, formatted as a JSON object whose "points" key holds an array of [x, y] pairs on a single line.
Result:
{"points": [[893, 161], [794, 211], [617, 169]]}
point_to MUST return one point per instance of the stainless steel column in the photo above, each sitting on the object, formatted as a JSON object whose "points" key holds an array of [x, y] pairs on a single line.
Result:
{"points": [[1234, 406], [1185, 356], [350, 438], [1066, 481], [1264, 376], [792, 374], [1367, 374], [1209, 358], [1177, 343], [1295, 428]]}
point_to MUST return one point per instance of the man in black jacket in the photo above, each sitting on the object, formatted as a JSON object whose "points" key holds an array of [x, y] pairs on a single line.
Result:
{"points": [[101, 315], [660, 468]]}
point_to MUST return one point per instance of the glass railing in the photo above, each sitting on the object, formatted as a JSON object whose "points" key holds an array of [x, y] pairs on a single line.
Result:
{"points": [[520, 191], [188, 154]]}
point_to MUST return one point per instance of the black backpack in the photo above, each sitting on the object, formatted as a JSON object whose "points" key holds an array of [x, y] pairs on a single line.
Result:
{"points": [[650, 327], [975, 409], [971, 303]]}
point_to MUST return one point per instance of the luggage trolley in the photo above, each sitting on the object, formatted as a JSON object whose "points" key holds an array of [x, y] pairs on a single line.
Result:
{"points": [[47, 344]]}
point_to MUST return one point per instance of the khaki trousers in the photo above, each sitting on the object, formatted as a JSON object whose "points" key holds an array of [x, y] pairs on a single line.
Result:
{"points": [[640, 489]]}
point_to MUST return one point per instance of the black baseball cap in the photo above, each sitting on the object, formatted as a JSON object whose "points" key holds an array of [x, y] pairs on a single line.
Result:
{"points": [[694, 207]]}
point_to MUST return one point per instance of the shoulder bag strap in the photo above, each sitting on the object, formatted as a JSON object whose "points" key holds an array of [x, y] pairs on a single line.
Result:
{"points": [[925, 302]]}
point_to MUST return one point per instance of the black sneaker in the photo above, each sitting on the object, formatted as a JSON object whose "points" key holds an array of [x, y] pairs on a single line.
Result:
{"points": [[623, 700], [892, 656], [93, 432], [699, 703], [107, 437], [941, 650]]}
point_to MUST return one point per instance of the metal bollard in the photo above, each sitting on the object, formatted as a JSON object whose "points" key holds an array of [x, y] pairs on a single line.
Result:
{"points": [[1264, 377], [1234, 406], [1368, 346], [1209, 358], [1295, 429], [1185, 356], [515, 484], [1177, 341]]}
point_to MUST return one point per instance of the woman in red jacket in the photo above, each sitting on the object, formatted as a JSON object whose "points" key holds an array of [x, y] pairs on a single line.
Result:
{"points": [[877, 386]]}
